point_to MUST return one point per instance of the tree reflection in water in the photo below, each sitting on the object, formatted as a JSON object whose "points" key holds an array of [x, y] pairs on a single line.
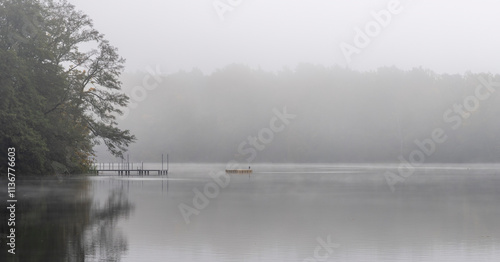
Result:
{"points": [[63, 221]]}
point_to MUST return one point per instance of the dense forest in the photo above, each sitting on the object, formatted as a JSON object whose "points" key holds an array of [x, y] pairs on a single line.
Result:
{"points": [[59, 89], [341, 115]]}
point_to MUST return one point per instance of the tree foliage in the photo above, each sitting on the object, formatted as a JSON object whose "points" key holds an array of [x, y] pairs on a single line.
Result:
{"points": [[59, 86]]}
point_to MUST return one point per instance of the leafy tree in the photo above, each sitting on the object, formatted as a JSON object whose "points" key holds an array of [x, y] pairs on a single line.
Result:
{"points": [[59, 87]]}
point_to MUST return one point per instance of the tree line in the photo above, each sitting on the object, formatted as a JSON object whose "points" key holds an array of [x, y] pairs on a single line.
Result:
{"points": [[59, 88], [341, 115]]}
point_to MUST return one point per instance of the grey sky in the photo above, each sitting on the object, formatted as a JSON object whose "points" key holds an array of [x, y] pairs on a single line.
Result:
{"points": [[445, 36]]}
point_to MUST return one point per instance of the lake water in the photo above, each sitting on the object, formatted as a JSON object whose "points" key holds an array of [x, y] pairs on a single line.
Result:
{"points": [[278, 213]]}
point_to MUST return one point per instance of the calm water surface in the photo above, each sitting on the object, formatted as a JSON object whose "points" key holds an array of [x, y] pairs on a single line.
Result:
{"points": [[279, 213]]}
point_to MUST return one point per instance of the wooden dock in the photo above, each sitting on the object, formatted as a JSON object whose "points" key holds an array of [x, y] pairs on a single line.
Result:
{"points": [[127, 168], [239, 171], [128, 172]]}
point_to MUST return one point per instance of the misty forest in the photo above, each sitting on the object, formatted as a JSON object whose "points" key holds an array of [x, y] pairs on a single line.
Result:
{"points": [[341, 116]]}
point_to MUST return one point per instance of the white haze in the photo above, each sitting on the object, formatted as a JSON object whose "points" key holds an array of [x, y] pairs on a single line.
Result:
{"points": [[445, 36]]}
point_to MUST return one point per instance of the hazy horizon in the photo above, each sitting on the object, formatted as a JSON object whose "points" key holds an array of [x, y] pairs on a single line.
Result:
{"points": [[311, 114]]}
